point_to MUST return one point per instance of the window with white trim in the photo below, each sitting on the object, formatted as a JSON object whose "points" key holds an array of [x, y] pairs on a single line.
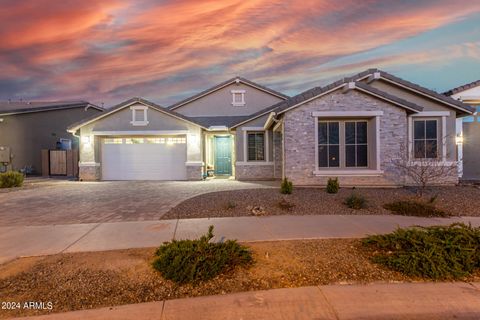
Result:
{"points": [[256, 146], [425, 139], [139, 115], [238, 98], [343, 144], [328, 144]]}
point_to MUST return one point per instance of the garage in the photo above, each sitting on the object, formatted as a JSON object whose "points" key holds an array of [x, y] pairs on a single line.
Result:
{"points": [[144, 158]]}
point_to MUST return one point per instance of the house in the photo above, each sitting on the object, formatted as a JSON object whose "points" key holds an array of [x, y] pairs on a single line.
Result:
{"points": [[352, 129], [470, 129], [28, 127]]}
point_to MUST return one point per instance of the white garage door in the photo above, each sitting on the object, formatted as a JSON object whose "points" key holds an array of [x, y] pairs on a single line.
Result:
{"points": [[149, 158]]}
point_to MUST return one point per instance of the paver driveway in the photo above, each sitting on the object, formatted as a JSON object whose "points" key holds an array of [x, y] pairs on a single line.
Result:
{"points": [[67, 202]]}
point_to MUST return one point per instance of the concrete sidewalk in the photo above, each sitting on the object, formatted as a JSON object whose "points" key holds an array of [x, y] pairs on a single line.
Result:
{"points": [[44, 240], [337, 302]]}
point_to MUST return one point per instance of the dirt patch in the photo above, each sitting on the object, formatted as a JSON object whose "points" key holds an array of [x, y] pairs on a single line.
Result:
{"points": [[455, 201], [98, 279]]}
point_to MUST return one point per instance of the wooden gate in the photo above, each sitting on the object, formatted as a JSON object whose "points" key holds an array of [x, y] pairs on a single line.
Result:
{"points": [[60, 163]]}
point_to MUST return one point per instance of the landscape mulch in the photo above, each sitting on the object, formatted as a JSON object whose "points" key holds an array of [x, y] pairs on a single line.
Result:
{"points": [[455, 201], [76, 281]]}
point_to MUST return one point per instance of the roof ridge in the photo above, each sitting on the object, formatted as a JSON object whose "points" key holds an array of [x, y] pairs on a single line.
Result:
{"points": [[462, 88], [221, 85]]}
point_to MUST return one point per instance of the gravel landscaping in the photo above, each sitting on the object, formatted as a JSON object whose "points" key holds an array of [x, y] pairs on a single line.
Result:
{"points": [[455, 201], [97, 279]]}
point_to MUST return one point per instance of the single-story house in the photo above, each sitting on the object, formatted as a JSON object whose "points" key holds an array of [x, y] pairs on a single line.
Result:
{"points": [[352, 129], [470, 149], [28, 127]]}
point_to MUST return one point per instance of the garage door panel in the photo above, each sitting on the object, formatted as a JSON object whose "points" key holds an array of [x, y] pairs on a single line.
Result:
{"points": [[144, 161]]}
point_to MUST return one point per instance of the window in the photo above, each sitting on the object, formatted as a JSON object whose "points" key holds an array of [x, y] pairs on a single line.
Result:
{"points": [[328, 144], [425, 143], [134, 140], [356, 147], [238, 98], [256, 146], [139, 115], [113, 141]]}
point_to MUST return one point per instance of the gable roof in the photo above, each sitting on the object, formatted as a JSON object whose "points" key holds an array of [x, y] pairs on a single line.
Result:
{"points": [[224, 84], [74, 127], [414, 87], [19, 107], [345, 83], [462, 88]]}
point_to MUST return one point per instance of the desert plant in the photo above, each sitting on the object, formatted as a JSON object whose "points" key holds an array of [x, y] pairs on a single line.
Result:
{"points": [[333, 185], [286, 187], [11, 179], [231, 204], [191, 261], [356, 201], [415, 208], [438, 252], [285, 204], [424, 172]]}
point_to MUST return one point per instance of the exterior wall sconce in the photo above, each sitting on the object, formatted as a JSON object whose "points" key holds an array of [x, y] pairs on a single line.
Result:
{"points": [[459, 139]]}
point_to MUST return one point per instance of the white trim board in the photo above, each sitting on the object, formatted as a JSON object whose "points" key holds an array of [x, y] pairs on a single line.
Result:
{"points": [[347, 113], [356, 173]]}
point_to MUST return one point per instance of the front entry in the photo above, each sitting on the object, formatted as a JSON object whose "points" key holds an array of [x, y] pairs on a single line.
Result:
{"points": [[223, 155]]}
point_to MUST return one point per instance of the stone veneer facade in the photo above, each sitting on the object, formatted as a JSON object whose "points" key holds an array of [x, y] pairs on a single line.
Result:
{"points": [[194, 172], [89, 172], [254, 172], [299, 135]]}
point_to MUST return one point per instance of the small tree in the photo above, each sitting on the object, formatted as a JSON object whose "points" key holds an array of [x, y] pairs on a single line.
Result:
{"points": [[425, 171]]}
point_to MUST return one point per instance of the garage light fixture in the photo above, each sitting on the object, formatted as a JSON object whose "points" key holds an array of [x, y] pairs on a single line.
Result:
{"points": [[459, 139], [85, 139]]}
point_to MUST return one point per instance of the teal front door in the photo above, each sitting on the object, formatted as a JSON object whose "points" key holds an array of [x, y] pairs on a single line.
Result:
{"points": [[223, 156]]}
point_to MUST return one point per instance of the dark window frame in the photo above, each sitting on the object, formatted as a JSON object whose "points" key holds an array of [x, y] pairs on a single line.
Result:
{"points": [[328, 145], [356, 144], [418, 140], [256, 148]]}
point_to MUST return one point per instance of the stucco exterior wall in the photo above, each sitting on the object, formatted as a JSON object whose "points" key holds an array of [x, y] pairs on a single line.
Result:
{"points": [[118, 124], [219, 103], [27, 134], [428, 105]]}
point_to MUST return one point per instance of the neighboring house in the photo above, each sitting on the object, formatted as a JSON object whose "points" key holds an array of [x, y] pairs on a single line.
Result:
{"points": [[470, 149], [353, 129], [28, 127]]}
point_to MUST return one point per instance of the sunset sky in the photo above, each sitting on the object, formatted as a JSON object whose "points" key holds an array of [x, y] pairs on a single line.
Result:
{"points": [[110, 50]]}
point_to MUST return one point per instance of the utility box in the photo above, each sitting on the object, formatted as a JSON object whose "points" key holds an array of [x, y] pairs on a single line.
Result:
{"points": [[5, 155]]}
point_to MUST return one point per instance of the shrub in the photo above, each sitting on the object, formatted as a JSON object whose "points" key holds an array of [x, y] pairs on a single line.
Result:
{"points": [[191, 261], [285, 204], [332, 185], [439, 252], [415, 208], [286, 186], [11, 179], [356, 202], [231, 204]]}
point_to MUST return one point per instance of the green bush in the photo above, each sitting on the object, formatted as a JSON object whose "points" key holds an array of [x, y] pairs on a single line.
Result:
{"points": [[415, 208], [191, 261], [286, 186], [439, 252], [333, 185], [355, 201], [11, 179]]}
